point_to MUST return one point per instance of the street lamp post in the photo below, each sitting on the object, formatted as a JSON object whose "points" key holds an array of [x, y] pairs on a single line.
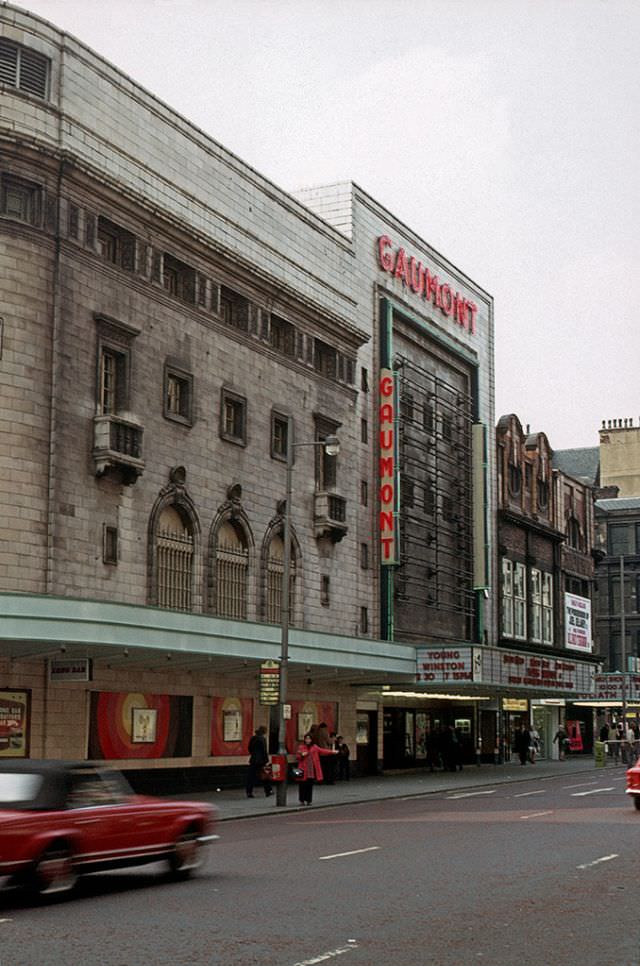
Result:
{"points": [[331, 446]]}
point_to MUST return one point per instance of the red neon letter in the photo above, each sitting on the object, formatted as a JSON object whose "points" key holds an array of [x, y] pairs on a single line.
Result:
{"points": [[386, 438], [386, 413], [386, 260], [386, 386], [401, 266], [417, 284]]}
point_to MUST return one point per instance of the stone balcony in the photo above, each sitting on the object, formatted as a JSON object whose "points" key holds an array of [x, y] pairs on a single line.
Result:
{"points": [[117, 447]]}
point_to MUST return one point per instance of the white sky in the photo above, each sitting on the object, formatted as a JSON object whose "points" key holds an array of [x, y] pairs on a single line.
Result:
{"points": [[505, 132]]}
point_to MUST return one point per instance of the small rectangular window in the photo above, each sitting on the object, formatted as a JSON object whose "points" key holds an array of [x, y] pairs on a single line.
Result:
{"points": [[364, 493], [364, 431], [179, 279], [325, 599], [234, 309], [112, 380], [178, 395], [21, 200], [23, 68], [364, 620], [110, 545], [116, 245], [364, 556], [282, 336], [233, 417], [73, 226], [279, 436], [325, 359], [364, 379]]}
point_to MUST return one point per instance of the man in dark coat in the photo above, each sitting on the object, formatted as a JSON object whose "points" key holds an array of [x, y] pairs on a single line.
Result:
{"points": [[258, 758]]}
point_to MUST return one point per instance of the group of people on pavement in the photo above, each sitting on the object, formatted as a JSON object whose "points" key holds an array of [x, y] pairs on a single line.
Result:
{"points": [[316, 744], [526, 743], [623, 740], [445, 748]]}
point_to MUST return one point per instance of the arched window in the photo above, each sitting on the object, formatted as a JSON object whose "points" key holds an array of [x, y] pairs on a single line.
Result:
{"points": [[274, 574], [174, 555], [232, 571]]}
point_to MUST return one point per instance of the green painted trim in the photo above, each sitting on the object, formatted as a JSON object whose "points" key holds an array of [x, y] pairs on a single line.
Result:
{"points": [[437, 334], [42, 621]]}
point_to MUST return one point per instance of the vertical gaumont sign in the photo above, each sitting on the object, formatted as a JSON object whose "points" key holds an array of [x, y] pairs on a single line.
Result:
{"points": [[577, 623], [421, 280], [387, 469]]}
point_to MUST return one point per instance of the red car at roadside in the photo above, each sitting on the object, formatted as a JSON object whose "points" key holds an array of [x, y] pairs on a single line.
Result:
{"points": [[60, 820]]}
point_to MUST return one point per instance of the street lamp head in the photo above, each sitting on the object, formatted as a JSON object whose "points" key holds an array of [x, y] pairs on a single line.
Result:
{"points": [[331, 445]]}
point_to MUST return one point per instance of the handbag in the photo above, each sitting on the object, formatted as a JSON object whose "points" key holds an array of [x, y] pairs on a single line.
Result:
{"points": [[297, 774], [266, 773]]}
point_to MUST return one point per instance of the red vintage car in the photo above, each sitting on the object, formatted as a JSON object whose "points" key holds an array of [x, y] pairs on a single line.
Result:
{"points": [[59, 820], [633, 783]]}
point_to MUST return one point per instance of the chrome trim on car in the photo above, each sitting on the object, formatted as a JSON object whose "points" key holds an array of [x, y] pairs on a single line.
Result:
{"points": [[203, 839]]}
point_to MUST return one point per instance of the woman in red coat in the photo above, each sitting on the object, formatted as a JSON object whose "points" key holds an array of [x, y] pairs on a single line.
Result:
{"points": [[309, 761]]}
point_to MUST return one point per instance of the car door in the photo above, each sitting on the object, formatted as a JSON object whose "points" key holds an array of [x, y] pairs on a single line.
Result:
{"points": [[91, 812]]}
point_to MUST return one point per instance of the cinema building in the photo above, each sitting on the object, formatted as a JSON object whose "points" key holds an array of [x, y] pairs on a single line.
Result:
{"points": [[170, 321]]}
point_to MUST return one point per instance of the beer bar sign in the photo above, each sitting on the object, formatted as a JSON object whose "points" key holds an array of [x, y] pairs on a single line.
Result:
{"points": [[269, 690]]}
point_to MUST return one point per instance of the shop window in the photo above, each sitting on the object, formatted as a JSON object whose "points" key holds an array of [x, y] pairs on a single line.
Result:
{"points": [[23, 68], [233, 420], [21, 200], [116, 245], [178, 395]]}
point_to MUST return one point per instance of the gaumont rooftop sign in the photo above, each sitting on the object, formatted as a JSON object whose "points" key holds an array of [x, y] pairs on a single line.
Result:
{"points": [[420, 280]]}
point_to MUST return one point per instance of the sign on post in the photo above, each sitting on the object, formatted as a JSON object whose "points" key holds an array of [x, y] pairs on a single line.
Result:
{"points": [[269, 690]]}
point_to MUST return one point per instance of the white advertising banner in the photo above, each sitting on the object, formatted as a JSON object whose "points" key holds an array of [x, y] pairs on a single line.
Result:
{"points": [[577, 623]]}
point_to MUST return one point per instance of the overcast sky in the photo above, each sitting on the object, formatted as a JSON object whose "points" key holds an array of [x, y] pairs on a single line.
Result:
{"points": [[504, 132]]}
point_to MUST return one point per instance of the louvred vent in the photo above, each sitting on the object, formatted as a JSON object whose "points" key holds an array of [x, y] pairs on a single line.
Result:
{"points": [[24, 69]]}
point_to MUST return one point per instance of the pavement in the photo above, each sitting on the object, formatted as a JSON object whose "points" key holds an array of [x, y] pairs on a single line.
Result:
{"points": [[234, 804]]}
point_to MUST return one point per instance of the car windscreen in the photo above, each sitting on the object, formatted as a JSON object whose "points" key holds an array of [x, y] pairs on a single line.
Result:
{"points": [[19, 789]]}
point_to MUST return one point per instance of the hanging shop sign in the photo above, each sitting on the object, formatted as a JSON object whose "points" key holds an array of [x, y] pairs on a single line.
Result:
{"points": [[269, 690], [577, 623], [502, 668], [420, 280], [387, 469]]}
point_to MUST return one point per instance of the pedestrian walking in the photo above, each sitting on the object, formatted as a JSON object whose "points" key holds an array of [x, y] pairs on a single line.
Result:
{"points": [[343, 759], [523, 741], [258, 759], [534, 744], [563, 742], [309, 754]]}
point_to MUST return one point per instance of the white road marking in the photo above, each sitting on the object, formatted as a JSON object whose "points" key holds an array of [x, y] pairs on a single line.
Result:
{"points": [[594, 791], [331, 954], [536, 814], [6, 920], [525, 794], [451, 798], [339, 855], [605, 858], [582, 784]]}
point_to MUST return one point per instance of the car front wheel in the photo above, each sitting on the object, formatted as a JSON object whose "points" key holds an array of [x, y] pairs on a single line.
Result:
{"points": [[53, 873], [186, 856]]}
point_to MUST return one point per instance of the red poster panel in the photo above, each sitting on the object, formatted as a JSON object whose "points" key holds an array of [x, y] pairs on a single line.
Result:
{"points": [[231, 726], [306, 714], [134, 725], [14, 724]]}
